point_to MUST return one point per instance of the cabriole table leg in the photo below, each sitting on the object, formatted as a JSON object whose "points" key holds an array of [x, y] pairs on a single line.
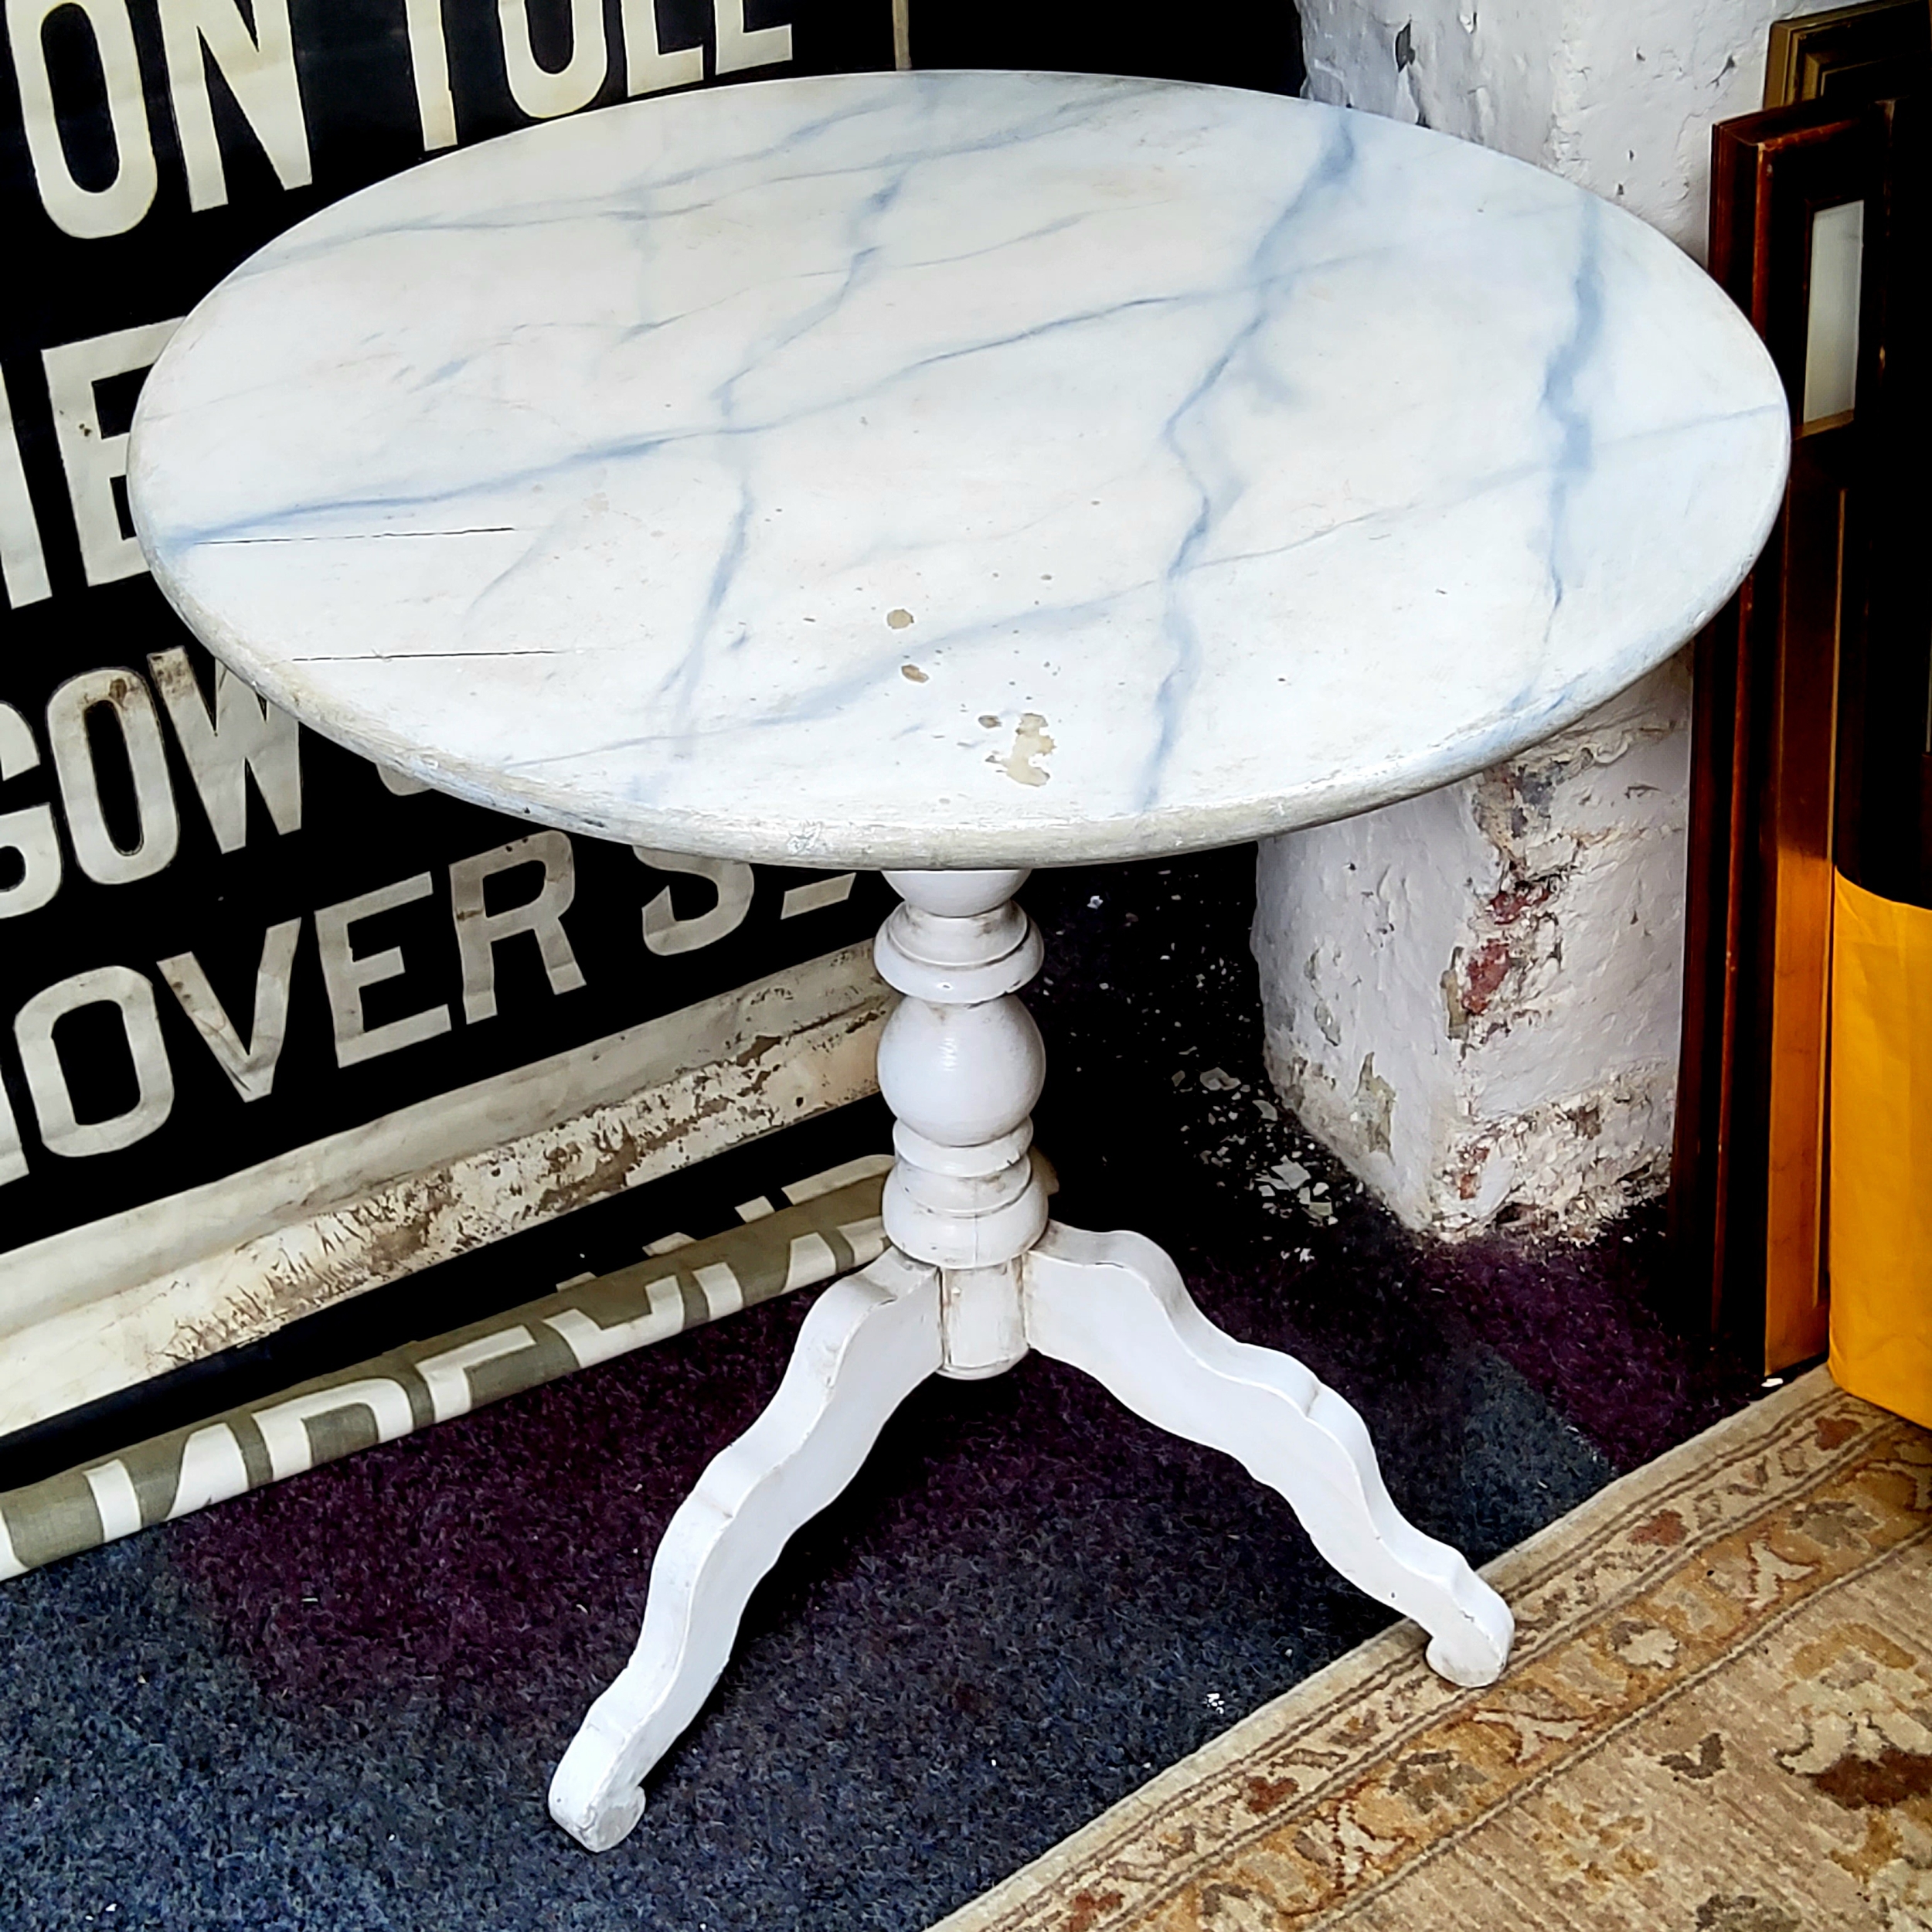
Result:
{"points": [[975, 1276]]}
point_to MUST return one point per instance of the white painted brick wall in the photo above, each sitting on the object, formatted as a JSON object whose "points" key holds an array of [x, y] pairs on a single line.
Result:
{"points": [[1473, 997], [1618, 95]]}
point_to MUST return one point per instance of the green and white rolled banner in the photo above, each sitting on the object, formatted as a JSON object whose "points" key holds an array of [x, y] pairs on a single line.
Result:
{"points": [[830, 1225]]}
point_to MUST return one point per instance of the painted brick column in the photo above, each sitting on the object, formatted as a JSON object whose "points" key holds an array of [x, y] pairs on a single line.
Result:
{"points": [[1473, 998]]}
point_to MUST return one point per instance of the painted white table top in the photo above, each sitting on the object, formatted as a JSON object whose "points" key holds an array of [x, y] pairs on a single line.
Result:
{"points": [[955, 469]]}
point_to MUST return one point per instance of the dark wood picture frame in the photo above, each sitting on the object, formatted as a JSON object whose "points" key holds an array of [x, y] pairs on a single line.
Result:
{"points": [[1805, 681], [1879, 49], [1747, 1194]]}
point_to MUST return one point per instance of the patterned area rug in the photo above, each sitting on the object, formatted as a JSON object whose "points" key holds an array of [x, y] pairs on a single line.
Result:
{"points": [[1719, 1717]]}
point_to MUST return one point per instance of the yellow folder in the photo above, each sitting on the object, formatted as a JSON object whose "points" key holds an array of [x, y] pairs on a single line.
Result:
{"points": [[1880, 1211]]}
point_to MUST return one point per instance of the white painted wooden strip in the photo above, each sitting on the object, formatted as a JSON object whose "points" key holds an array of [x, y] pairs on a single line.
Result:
{"points": [[95, 1309]]}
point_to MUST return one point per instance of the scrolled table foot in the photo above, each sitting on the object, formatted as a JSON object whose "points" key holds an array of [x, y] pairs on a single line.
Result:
{"points": [[868, 1343], [1114, 1305], [1474, 1654], [584, 1802]]}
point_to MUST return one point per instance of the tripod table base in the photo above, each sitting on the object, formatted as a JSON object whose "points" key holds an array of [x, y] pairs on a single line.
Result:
{"points": [[975, 1276], [1113, 1304]]}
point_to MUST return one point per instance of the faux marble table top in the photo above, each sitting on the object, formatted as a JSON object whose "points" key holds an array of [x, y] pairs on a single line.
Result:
{"points": [[956, 468]]}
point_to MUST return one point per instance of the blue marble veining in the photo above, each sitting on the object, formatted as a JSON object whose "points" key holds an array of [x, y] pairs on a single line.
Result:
{"points": [[955, 469], [1575, 448], [1272, 264]]}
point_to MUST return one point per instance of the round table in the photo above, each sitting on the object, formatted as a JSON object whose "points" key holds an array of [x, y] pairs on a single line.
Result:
{"points": [[954, 473]]}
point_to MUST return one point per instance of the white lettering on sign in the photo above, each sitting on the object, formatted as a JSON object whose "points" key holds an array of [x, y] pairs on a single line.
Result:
{"points": [[116, 1501], [250, 1059], [93, 461], [430, 66], [88, 213], [249, 44], [346, 976], [664, 933], [23, 564], [739, 49], [213, 1469], [13, 1156], [542, 94], [479, 932], [810, 1259], [259, 68], [446, 1376], [821, 892], [124, 696], [250, 1064], [723, 1293], [243, 733], [29, 832], [647, 68], [284, 1427], [133, 998], [240, 737], [591, 1344]]}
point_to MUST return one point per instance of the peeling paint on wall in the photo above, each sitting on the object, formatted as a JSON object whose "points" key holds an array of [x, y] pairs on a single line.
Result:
{"points": [[1375, 1106], [1618, 99], [1481, 1014]]}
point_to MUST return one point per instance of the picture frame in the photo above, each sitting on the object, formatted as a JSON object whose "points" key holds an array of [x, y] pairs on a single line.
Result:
{"points": [[1812, 715]]}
